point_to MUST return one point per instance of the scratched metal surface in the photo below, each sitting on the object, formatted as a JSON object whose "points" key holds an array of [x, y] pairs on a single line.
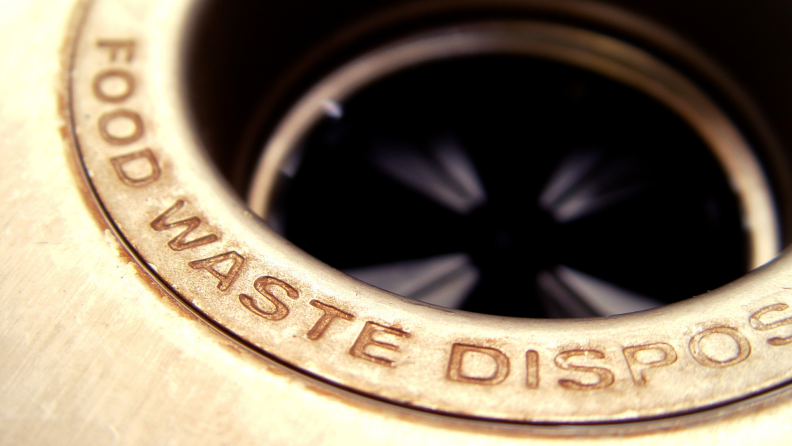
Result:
{"points": [[93, 353]]}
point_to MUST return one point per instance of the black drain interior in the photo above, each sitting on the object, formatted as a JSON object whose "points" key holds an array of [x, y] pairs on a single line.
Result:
{"points": [[513, 186]]}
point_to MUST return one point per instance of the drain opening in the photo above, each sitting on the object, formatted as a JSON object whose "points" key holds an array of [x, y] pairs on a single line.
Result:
{"points": [[511, 185]]}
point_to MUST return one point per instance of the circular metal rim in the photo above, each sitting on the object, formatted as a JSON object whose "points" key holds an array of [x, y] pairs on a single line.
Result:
{"points": [[757, 289], [576, 47]]}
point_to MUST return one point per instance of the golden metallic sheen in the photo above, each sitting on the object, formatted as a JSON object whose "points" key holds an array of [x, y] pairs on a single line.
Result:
{"points": [[143, 303]]}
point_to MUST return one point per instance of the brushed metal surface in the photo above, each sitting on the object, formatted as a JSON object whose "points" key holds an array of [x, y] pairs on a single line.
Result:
{"points": [[95, 353]]}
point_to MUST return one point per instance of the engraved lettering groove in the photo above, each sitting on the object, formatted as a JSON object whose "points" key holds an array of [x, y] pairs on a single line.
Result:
{"points": [[100, 78], [120, 161], [116, 46], [761, 326], [266, 286], [329, 314], [706, 360], [581, 360], [366, 338], [532, 369], [455, 363], [605, 376], [179, 243], [133, 117], [638, 368], [225, 279]]}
